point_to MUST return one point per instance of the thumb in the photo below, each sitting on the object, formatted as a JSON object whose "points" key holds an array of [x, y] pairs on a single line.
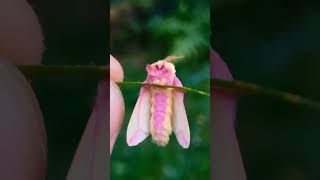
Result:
{"points": [[226, 159], [90, 160], [116, 101], [116, 113]]}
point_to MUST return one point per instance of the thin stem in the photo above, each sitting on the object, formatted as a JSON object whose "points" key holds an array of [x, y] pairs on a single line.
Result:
{"points": [[32, 71], [254, 89], [185, 89]]}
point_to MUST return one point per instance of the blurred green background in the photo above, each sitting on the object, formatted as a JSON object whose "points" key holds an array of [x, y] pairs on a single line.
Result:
{"points": [[142, 32], [75, 33], [276, 44]]}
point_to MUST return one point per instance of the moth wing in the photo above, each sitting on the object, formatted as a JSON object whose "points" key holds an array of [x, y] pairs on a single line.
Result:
{"points": [[179, 117], [138, 128]]}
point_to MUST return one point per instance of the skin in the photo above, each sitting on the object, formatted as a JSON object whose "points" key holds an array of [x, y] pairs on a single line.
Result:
{"points": [[91, 158], [116, 101], [20, 32], [226, 159], [23, 146]]}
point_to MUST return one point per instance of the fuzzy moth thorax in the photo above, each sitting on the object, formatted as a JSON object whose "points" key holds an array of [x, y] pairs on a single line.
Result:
{"points": [[161, 72]]}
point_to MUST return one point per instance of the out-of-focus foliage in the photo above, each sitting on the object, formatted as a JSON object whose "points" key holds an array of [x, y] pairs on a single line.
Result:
{"points": [[143, 31], [276, 44]]}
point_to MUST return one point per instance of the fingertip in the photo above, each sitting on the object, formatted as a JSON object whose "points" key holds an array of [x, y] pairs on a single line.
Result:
{"points": [[219, 69], [116, 71], [21, 38]]}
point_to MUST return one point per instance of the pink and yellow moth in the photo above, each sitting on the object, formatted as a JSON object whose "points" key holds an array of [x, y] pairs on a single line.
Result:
{"points": [[159, 111]]}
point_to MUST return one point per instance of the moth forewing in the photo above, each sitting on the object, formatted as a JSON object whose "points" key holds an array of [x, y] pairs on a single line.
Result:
{"points": [[138, 127], [179, 117]]}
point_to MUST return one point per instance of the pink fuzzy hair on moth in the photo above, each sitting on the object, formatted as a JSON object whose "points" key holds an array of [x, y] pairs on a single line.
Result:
{"points": [[159, 111]]}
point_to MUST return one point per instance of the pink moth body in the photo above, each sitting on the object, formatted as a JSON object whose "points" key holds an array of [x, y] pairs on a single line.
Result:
{"points": [[162, 73], [159, 111]]}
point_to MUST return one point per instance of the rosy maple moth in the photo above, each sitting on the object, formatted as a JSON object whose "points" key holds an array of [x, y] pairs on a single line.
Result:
{"points": [[158, 110]]}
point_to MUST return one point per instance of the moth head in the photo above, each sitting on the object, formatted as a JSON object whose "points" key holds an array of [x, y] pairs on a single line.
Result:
{"points": [[161, 69]]}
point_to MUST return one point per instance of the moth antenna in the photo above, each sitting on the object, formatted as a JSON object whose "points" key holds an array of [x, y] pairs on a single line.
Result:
{"points": [[172, 58]]}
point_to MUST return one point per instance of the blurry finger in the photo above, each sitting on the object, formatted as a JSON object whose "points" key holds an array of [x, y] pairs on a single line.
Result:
{"points": [[20, 33], [90, 161], [23, 151], [116, 113], [224, 100], [226, 159], [22, 133], [116, 101], [219, 68]]}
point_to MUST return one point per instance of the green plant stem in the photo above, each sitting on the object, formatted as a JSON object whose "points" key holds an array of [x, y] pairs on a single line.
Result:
{"points": [[254, 89], [32, 71], [186, 89]]}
